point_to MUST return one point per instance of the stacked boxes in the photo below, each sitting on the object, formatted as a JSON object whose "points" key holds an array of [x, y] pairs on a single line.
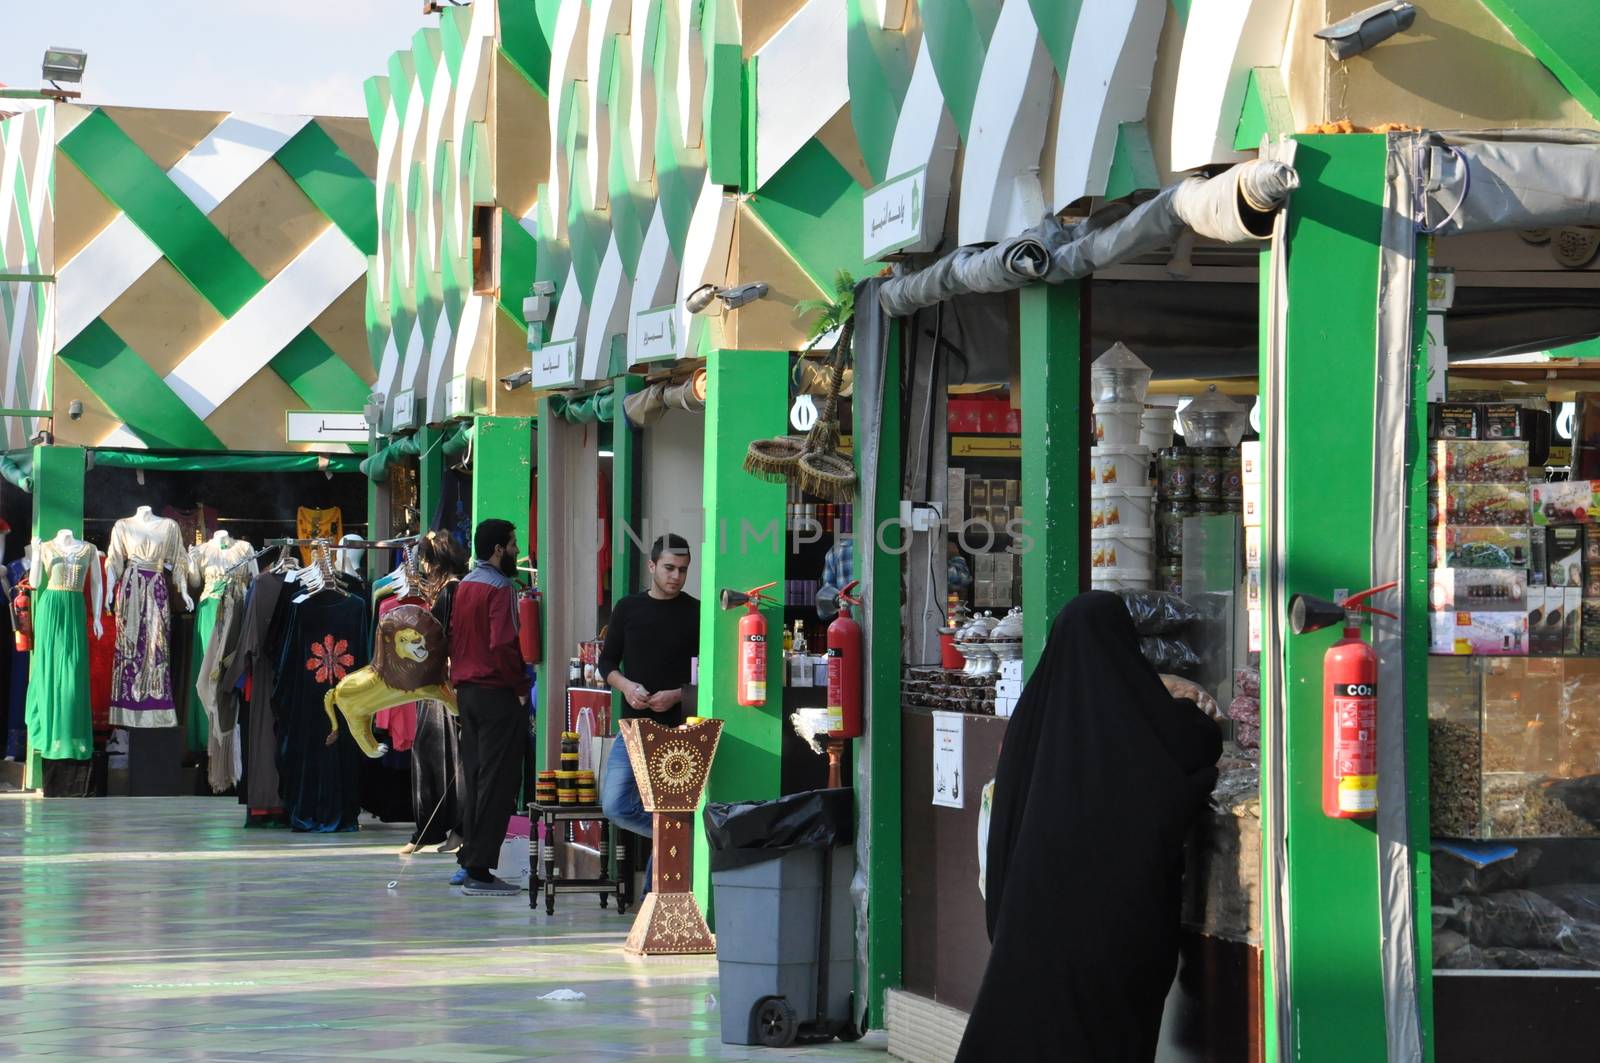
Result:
{"points": [[1122, 529], [1008, 688], [1486, 583], [1250, 473], [993, 502]]}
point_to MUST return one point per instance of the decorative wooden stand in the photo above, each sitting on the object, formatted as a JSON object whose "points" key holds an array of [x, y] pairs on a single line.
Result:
{"points": [[671, 765]]}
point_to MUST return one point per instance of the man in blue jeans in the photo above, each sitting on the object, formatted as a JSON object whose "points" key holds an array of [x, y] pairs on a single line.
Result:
{"points": [[652, 637]]}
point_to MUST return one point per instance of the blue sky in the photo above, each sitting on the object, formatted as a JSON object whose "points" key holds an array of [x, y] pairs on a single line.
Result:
{"points": [[288, 56]]}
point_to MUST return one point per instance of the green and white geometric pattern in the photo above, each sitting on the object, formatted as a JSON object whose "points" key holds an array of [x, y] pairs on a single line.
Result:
{"points": [[27, 260]]}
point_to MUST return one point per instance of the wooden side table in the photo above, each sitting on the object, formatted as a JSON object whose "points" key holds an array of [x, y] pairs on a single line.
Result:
{"points": [[542, 859]]}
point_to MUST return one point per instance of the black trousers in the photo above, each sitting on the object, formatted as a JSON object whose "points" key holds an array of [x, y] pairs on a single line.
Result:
{"points": [[494, 727]]}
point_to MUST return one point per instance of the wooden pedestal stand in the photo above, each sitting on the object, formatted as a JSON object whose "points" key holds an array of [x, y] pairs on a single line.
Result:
{"points": [[671, 765]]}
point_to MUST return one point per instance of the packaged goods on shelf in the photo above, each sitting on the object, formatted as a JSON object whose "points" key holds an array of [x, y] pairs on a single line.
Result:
{"points": [[1554, 621], [1487, 546], [1127, 506], [1567, 502], [1480, 504], [1498, 590], [1500, 421], [1563, 556], [1478, 461], [1478, 633], [1455, 420]]}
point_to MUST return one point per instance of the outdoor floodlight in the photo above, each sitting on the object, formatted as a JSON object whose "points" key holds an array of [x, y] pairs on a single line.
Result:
{"points": [[75, 409], [536, 307], [699, 300], [1368, 28], [521, 378], [372, 411], [65, 64]]}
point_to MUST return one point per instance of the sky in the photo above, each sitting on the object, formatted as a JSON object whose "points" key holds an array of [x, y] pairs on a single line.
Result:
{"points": [[283, 56]]}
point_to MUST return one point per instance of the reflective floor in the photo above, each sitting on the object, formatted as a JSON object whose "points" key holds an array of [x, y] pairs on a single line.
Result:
{"points": [[156, 928]]}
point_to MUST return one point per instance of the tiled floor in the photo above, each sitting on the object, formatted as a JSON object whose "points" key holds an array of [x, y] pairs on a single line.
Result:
{"points": [[156, 928]]}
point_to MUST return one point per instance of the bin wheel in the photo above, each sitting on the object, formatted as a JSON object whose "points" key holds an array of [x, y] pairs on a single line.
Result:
{"points": [[776, 1025], [603, 901]]}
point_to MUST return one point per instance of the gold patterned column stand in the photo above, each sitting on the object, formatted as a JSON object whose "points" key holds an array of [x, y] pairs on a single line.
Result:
{"points": [[671, 765]]}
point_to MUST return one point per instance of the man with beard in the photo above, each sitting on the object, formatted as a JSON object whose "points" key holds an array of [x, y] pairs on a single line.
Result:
{"points": [[652, 637], [491, 690]]}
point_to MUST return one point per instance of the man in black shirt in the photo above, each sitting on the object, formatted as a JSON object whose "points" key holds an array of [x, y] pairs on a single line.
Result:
{"points": [[652, 637]]}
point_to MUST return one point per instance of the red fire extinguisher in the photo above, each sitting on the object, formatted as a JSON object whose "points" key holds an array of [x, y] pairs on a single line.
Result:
{"points": [[22, 617], [528, 633], [752, 643], [1349, 702], [844, 670]]}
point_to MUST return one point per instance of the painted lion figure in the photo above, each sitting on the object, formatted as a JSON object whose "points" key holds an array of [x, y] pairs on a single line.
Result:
{"points": [[408, 664]]}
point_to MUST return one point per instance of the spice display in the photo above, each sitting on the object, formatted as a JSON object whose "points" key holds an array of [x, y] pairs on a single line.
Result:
{"points": [[1208, 465], [1480, 504], [1466, 546], [1175, 474], [1478, 462], [1455, 771]]}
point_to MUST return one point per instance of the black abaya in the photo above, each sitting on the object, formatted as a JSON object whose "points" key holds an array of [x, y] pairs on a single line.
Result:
{"points": [[1100, 779]]}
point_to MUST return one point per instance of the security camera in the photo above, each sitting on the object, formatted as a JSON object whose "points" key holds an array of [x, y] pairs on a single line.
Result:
{"points": [[734, 298], [521, 378], [372, 411], [1368, 28], [75, 409]]}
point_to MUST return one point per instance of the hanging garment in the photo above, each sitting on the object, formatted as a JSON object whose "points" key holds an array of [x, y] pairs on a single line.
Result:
{"points": [[251, 675], [17, 686], [58, 719], [435, 774], [195, 525], [317, 524], [138, 558], [603, 556], [1101, 776], [325, 638], [102, 652], [226, 572]]}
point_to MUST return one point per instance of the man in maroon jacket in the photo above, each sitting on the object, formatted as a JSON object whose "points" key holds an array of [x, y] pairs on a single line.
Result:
{"points": [[491, 690]]}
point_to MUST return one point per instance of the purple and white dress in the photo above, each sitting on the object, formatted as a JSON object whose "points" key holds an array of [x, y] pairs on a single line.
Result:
{"points": [[147, 559]]}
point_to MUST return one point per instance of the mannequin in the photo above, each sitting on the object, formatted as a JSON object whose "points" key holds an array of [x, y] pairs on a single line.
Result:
{"points": [[145, 562], [59, 725], [223, 568]]}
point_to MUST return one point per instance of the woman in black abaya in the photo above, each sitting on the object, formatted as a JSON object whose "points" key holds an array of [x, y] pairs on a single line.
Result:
{"points": [[1101, 776]]}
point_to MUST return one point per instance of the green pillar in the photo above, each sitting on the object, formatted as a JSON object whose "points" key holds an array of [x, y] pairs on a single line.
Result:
{"points": [[547, 660], [1052, 456], [430, 473], [1333, 920], [502, 472], [747, 398], [625, 472], [882, 600], [58, 474]]}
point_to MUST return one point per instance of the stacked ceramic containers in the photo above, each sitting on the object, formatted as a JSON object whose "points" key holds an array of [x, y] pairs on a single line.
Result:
{"points": [[1121, 500]]}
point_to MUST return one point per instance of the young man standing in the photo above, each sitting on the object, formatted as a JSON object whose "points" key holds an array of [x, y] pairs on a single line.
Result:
{"points": [[652, 637], [491, 691]]}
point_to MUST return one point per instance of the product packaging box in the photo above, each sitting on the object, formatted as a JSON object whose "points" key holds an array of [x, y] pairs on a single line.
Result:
{"points": [[1589, 624], [1479, 504], [983, 567], [1586, 437], [1563, 554], [1479, 634], [1569, 502], [1251, 509], [1487, 590], [1250, 464], [1005, 566], [1492, 546], [1572, 623], [1454, 420], [978, 494], [1546, 616], [955, 493], [1478, 461], [1252, 588], [1252, 548], [1500, 420]]}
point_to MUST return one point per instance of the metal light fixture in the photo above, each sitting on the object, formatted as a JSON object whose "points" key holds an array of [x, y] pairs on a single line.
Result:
{"points": [[699, 300], [1368, 28], [521, 378], [372, 410], [74, 409], [65, 64]]}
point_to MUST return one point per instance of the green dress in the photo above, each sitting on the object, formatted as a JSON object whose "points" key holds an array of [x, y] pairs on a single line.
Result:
{"points": [[59, 724], [199, 727]]}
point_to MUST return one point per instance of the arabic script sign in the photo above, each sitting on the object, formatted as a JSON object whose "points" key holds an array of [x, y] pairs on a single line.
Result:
{"points": [[324, 426], [403, 411], [891, 214], [555, 365], [656, 336]]}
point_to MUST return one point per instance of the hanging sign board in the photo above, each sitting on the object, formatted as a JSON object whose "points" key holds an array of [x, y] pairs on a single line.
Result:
{"points": [[403, 413], [949, 787], [325, 426], [555, 365], [891, 214], [657, 335], [466, 396]]}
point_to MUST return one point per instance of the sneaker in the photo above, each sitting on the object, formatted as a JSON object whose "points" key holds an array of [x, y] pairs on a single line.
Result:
{"points": [[459, 877], [493, 888]]}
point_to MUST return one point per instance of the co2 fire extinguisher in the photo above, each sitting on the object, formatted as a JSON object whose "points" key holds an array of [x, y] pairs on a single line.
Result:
{"points": [[528, 632], [752, 643], [22, 617], [1349, 702], [844, 670]]}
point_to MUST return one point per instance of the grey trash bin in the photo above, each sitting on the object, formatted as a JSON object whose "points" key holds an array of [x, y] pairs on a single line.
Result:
{"points": [[785, 924]]}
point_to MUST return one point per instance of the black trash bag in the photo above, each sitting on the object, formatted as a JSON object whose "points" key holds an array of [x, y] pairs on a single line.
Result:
{"points": [[1171, 655], [749, 832], [1159, 612], [1516, 919], [1454, 876]]}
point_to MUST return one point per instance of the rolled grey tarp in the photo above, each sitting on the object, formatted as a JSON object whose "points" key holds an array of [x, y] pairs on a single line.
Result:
{"points": [[1506, 180], [1234, 207]]}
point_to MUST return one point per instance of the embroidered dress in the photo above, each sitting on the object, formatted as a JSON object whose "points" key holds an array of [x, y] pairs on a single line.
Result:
{"points": [[138, 557], [59, 725], [326, 638], [317, 524]]}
